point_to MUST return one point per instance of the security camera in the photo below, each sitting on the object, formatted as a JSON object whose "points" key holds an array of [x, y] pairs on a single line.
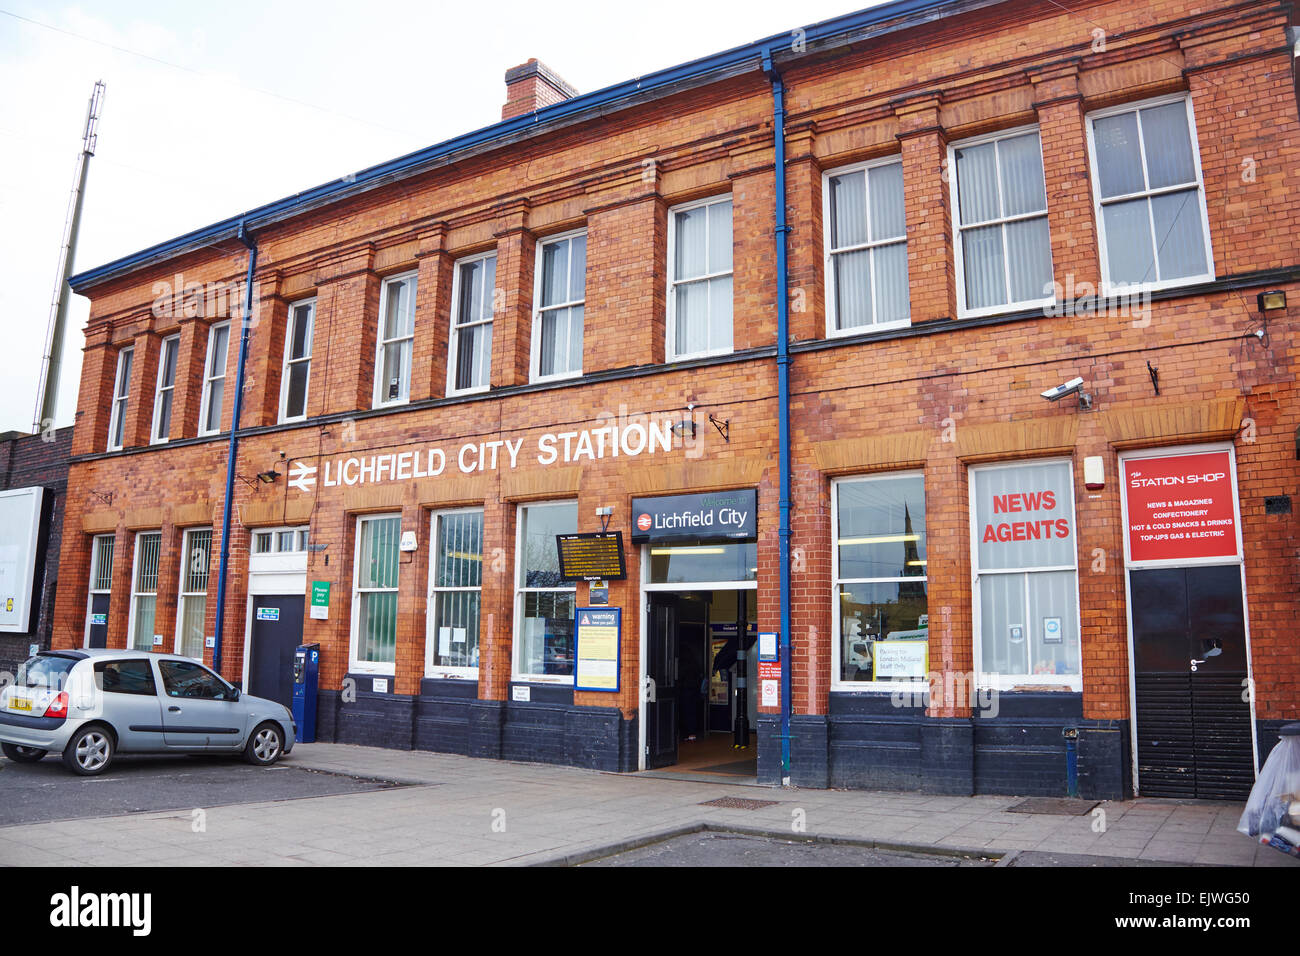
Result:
{"points": [[1058, 393]]}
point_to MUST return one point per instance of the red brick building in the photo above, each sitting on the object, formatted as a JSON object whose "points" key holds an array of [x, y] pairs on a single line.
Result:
{"points": [[458, 355]]}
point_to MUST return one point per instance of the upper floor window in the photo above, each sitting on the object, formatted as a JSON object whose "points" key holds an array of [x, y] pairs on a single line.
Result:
{"points": [[470, 352], [866, 248], [394, 341], [214, 379], [162, 404], [1149, 196], [297, 361], [1003, 250], [699, 278], [557, 322], [121, 388]]}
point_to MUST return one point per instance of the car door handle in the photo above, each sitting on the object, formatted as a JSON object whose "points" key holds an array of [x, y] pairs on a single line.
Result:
{"points": [[174, 709]]}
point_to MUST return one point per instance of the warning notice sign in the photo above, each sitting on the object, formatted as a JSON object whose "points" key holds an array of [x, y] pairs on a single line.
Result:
{"points": [[1180, 507]]}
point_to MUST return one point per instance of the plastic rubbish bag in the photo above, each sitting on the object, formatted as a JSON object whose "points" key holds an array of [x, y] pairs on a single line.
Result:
{"points": [[1273, 811]]}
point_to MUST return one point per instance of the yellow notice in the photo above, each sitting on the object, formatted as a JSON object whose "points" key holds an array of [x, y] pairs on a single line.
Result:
{"points": [[598, 650]]}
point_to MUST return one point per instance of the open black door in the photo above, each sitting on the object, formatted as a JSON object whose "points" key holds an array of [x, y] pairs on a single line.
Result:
{"points": [[661, 669], [1193, 714], [277, 632]]}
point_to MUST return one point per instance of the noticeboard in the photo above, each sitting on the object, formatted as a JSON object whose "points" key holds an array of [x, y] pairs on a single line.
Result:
{"points": [[591, 556], [599, 633]]}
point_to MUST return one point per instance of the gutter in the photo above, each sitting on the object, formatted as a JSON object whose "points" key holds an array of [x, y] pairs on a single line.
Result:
{"points": [[818, 37], [245, 328], [781, 233]]}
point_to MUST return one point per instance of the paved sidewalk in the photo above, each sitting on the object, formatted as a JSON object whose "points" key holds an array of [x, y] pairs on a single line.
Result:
{"points": [[456, 810]]}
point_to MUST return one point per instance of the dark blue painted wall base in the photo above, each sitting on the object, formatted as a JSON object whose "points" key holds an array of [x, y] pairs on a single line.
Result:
{"points": [[866, 742], [447, 717]]}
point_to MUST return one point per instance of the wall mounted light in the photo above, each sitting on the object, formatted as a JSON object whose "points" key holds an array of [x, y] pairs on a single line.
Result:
{"points": [[1272, 300], [267, 477]]}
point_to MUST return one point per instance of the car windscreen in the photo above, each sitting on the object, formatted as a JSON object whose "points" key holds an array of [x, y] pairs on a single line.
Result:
{"points": [[45, 671]]}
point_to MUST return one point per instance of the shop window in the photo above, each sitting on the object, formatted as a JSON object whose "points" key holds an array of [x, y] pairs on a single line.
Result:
{"points": [[162, 404], [544, 604], [561, 290], [866, 243], [121, 389], [455, 582], [470, 350], [214, 378], [297, 361], [699, 279], [1024, 557], [195, 561], [1003, 249], [144, 589], [374, 594], [395, 340], [1150, 201], [881, 609]]}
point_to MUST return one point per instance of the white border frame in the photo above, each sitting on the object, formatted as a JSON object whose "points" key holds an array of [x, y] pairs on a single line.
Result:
{"points": [[377, 399], [91, 590], [517, 593], [453, 329], [535, 348], [828, 271], [1001, 682], [1107, 287], [209, 379], [117, 413], [182, 594], [26, 584], [430, 638], [356, 666], [1168, 452], [309, 360], [670, 303], [954, 202], [839, 685], [154, 438]]}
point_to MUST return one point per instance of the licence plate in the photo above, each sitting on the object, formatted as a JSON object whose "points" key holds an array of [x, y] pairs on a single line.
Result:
{"points": [[20, 703]]}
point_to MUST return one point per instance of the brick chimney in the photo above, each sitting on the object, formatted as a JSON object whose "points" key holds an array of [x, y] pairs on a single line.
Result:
{"points": [[532, 86]]}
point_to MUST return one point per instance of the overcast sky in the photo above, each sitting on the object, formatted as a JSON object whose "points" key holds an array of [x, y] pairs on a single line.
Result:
{"points": [[215, 108]]}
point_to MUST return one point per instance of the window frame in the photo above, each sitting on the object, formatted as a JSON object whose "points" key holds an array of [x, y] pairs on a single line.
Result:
{"points": [[289, 361], [535, 359], [670, 305], [1109, 288], [959, 257], [829, 253], [517, 675], [136, 594], [91, 590], [121, 397], [378, 399], [432, 670], [208, 378], [1002, 682], [159, 388], [182, 594], [838, 684], [356, 665], [454, 326]]}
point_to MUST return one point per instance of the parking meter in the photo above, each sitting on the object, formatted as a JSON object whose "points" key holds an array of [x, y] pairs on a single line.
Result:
{"points": [[306, 664]]}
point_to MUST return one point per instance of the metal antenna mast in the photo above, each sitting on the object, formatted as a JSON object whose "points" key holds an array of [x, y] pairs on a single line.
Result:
{"points": [[48, 386]]}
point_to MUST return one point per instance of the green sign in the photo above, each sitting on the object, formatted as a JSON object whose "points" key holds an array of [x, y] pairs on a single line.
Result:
{"points": [[320, 600]]}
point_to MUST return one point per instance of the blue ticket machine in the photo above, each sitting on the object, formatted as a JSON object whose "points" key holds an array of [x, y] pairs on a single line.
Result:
{"points": [[306, 664]]}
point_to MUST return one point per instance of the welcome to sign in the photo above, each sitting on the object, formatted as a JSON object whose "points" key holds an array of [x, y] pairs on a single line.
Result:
{"points": [[625, 440]]}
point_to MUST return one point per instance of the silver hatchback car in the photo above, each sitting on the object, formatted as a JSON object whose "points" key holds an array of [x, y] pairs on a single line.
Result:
{"points": [[89, 705]]}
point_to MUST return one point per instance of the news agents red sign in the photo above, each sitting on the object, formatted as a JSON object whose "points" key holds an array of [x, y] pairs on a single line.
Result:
{"points": [[1180, 507]]}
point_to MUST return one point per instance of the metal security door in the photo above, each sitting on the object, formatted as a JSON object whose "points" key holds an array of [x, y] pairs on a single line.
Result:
{"points": [[661, 690], [1190, 677], [277, 632]]}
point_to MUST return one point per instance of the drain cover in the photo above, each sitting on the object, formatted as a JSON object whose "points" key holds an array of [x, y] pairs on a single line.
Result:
{"points": [[739, 803], [1065, 806]]}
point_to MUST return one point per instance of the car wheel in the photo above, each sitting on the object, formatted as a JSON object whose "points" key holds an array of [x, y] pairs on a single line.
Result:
{"points": [[90, 751], [265, 745], [21, 754]]}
